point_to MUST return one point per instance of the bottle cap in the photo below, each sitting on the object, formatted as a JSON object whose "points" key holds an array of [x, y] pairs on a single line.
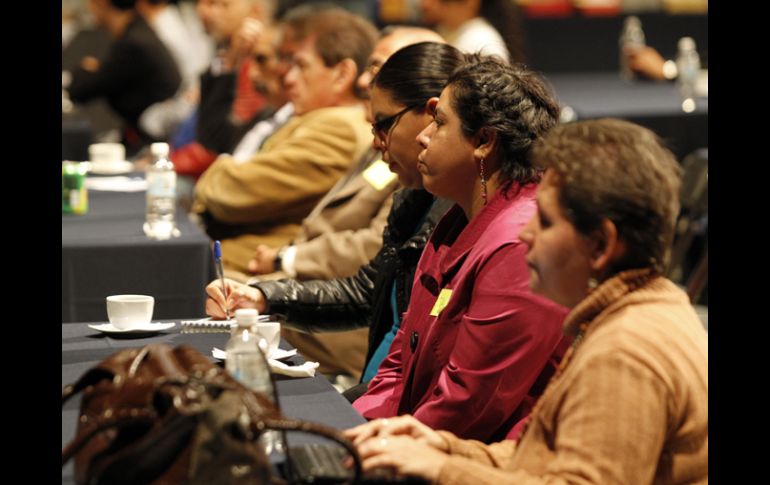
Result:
{"points": [[159, 149], [246, 317], [633, 21], [686, 44]]}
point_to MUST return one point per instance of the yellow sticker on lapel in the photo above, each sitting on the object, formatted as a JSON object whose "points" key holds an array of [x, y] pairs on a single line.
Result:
{"points": [[378, 175], [441, 302]]}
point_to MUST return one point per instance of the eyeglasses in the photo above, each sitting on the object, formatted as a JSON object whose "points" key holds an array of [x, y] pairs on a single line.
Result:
{"points": [[262, 59], [383, 127], [373, 68]]}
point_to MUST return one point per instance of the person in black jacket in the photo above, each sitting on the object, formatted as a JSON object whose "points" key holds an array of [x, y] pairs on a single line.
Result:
{"points": [[377, 295], [136, 72]]}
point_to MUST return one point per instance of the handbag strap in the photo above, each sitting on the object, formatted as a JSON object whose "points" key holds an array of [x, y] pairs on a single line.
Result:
{"points": [[121, 418]]}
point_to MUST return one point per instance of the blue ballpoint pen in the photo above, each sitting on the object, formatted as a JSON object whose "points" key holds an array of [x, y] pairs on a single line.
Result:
{"points": [[221, 274]]}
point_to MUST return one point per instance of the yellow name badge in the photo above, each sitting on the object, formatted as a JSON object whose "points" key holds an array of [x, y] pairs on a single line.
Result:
{"points": [[378, 175], [441, 302]]}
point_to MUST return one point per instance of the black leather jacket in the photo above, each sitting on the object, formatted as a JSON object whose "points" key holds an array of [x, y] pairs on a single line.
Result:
{"points": [[364, 299]]}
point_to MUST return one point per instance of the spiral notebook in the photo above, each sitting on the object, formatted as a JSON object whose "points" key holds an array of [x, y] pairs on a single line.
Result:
{"points": [[208, 322]]}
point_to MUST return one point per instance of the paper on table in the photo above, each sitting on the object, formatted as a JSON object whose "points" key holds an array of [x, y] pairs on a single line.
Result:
{"points": [[116, 184], [304, 370]]}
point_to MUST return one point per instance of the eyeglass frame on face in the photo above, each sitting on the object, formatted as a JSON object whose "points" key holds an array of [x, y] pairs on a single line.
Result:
{"points": [[382, 128], [373, 68]]}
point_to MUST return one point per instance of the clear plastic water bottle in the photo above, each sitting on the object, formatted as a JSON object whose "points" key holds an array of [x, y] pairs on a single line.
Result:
{"points": [[246, 362], [688, 67], [631, 38], [160, 222]]}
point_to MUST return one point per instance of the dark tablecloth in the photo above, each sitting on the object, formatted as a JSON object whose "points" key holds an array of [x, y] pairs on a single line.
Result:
{"points": [[312, 399], [655, 105], [105, 252]]}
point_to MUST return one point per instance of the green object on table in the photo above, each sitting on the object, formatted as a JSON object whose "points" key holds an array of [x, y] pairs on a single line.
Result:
{"points": [[74, 195]]}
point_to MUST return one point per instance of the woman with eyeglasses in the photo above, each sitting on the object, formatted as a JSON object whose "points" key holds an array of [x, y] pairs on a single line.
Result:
{"points": [[629, 403], [378, 294], [475, 344]]}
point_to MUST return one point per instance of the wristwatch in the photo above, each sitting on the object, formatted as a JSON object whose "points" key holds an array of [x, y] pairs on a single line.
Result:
{"points": [[278, 261]]}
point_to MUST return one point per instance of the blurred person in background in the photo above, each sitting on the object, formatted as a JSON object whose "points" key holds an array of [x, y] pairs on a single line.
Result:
{"points": [[234, 26], [492, 27], [234, 45], [648, 63], [181, 31], [242, 140], [263, 199], [136, 72]]}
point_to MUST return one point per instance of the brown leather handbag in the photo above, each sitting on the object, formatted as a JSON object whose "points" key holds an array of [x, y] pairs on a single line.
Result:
{"points": [[165, 415]]}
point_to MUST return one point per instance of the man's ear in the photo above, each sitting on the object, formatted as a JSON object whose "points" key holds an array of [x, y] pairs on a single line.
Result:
{"points": [[485, 141], [430, 105], [607, 247], [345, 75]]}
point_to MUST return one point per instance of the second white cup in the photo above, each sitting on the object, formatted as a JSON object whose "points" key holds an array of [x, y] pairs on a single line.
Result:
{"points": [[105, 154], [271, 332]]}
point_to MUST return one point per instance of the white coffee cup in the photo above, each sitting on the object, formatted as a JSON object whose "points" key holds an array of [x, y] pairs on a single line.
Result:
{"points": [[106, 154], [127, 312], [271, 332]]}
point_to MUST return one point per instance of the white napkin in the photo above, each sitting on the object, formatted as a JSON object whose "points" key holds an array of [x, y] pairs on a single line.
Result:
{"points": [[116, 184], [305, 370]]}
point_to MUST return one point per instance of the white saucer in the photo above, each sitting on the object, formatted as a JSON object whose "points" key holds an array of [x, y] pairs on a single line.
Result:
{"points": [[144, 328], [113, 168]]}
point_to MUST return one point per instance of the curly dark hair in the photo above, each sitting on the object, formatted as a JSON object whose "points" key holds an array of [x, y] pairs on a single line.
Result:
{"points": [[617, 170], [510, 100]]}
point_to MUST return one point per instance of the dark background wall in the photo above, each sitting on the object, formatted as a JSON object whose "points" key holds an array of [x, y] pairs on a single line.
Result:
{"points": [[579, 43]]}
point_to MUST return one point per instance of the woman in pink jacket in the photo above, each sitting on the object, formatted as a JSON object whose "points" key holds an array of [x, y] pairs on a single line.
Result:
{"points": [[475, 345]]}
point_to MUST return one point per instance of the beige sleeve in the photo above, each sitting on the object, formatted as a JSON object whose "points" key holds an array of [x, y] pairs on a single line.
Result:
{"points": [[286, 178], [339, 254]]}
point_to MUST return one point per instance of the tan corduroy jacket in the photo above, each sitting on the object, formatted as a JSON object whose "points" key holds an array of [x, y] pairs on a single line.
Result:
{"points": [[264, 200], [631, 406], [344, 231]]}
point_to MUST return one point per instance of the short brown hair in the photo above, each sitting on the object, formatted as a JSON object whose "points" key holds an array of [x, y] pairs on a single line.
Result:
{"points": [[339, 34], [614, 169]]}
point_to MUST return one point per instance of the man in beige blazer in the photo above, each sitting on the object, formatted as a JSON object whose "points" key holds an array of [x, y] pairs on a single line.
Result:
{"points": [[343, 232], [263, 200]]}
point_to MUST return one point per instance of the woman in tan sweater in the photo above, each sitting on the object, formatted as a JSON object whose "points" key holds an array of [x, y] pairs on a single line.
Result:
{"points": [[629, 403]]}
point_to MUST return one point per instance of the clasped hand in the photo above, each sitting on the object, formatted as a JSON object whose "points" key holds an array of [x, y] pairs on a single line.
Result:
{"points": [[403, 444]]}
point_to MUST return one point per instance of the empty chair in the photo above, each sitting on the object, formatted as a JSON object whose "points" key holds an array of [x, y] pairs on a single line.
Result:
{"points": [[689, 263]]}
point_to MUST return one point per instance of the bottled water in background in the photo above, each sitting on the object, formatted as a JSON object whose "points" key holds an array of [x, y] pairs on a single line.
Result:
{"points": [[631, 37], [688, 67], [160, 216], [246, 362]]}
